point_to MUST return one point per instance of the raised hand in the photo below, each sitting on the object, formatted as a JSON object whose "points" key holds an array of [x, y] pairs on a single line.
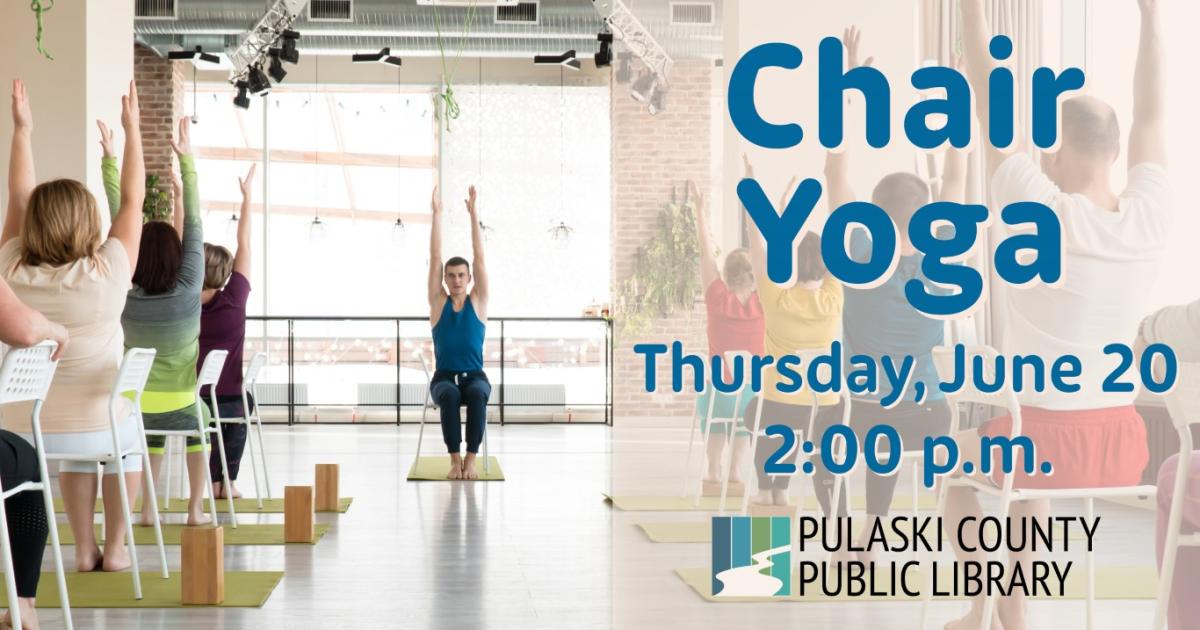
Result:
{"points": [[22, 115], [787, 194], [470, 201], [247, 183], [435, 203], [131, 112], [106, 139], [747, 166], [182, 142], [176, 184], [696, 195], [853, 37]]}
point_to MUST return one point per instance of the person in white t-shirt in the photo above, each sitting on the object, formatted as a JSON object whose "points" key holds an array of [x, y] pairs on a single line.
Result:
{"points": [[1113, 243]]}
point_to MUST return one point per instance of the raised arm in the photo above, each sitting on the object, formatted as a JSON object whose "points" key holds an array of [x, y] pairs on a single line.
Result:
{"points": [[480, 290], [241, 260], [21, 177], [1147, 135], [21, 326], [708, 259], [109, 171], [954, 176], [758, 251], [127, 225], [837, 164], [436, 292], [178, 212], [979, 63], [191, 272]]}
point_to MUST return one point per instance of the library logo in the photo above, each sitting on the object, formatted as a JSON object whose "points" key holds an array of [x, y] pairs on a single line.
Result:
{"points": [[751, 556]]}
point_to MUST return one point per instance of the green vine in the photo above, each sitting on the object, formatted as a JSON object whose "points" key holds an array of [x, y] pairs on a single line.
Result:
{"points": [[157, 206], [665, 278], [38, 10]]}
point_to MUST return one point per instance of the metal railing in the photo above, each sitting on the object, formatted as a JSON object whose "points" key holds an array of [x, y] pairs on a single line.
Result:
{"points": [[543, 369]]}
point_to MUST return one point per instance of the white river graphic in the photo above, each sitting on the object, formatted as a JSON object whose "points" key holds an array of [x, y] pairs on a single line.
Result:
{"points": [[747, 581]]}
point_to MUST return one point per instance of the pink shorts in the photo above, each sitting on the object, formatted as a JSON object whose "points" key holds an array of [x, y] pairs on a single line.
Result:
{"points": [[1094, 448]]}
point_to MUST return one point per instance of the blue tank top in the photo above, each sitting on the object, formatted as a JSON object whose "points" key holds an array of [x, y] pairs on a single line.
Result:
{"points": [[458, 339]]}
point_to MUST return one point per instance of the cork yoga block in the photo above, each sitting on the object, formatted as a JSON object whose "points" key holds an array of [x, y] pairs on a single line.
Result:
{"points": [[298, 514], [203, 560], [327, 487]]}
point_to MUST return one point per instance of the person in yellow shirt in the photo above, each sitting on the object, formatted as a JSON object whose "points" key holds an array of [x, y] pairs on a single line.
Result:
{"points": [[805, 315]]}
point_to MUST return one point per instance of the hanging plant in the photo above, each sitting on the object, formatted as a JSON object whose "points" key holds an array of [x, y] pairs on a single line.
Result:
{"points": [[157, 206], [39, 9], [665, 277]]}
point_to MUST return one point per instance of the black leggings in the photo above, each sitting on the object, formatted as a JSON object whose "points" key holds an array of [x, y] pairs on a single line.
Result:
{"points": [[912, 422], [234, 435], [27, 525], [794, 416]]}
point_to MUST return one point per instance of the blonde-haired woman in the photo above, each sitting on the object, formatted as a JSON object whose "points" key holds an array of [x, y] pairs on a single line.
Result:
{"points": [[53, 256]]}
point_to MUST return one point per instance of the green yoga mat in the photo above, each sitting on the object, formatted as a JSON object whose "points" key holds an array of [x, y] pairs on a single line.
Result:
{"points": [[630, 503], [701, 532], [1140, 582], [241, 506], [434, 469], [243, 589], [246, 534]]}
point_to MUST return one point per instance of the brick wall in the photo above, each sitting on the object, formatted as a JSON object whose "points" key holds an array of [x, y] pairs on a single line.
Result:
{"points": [[160, 93], [650, 154]]}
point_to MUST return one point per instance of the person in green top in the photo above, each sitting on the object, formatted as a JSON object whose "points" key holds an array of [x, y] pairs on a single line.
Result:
{"points": [[162, 312]]}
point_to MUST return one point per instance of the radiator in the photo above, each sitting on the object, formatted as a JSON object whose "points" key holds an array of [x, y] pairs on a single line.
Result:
{"points": [[531, 398], [277, 393]]}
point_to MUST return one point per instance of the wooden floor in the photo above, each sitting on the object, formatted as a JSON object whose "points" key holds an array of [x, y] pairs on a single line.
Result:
{"points": [[540, 550]]}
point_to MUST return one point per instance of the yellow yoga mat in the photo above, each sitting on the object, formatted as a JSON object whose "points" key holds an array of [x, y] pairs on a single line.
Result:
{"points": [[1140, 582], [243, 589], [701, 532], [434, 468], [630, 503], [246, 534], [241, 506]]}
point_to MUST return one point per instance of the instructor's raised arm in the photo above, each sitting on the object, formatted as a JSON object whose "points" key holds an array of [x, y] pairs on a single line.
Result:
{"points": [[1147, 135]]}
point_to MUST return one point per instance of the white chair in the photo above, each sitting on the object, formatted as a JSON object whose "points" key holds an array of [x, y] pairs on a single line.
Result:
{"points": [[757, 430], [135, 370], [430, 405], [25, 376], [943, 358], [706, 432], [210, 373], [1183, 402], [253, 422]]}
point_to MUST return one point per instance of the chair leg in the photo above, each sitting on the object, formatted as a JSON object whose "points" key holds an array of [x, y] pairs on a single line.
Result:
{"points": [[1171, 547], [262, 451], [10, 580], [48, 501], [753, 445], [125, 507], [204, 446], [152, 496], [727, 466], [930, 567], [224, 473], [253, 460], [1089, 507], [421, 432], [167, 467], [487, 467], [687, 463]]}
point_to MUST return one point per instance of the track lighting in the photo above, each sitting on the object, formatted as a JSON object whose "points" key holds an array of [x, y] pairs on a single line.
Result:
{"points": [[257, 80], [604, 56], [287, 50], [276, 69], [566, 59], [383, 56], [242, 100], [197, 54]]}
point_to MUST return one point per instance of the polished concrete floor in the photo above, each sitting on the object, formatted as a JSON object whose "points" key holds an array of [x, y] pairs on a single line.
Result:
{"points": [[541, 550]]}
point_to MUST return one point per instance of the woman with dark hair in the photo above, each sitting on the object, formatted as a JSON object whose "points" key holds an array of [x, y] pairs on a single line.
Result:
{"points": [[223, 327], [56, 259], [162, 312]]}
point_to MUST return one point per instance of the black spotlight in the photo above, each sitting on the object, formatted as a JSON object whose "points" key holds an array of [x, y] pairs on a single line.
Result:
{"points": [[566, 59], [256, 80], [604, 56], [276, 68], [383, 56], [197, 54], [643, 87], [242, 99], [624, 72], [287, 50], [658, 100]]}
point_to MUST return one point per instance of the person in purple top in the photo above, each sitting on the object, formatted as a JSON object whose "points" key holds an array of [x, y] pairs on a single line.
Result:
{"points": [[223, 327]]}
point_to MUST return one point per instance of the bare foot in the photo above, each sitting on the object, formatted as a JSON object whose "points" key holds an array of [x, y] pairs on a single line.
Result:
{"points": [[468, 469], [763, 498], [779, 496], [972, 619], [116, 558], [86, 562], [198, 519], [219, 490], [147, 521], [29, 620], [456, 467]]}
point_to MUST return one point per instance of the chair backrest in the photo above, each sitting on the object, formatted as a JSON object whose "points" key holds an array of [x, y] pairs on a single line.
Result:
{"points": [[210, 371], [1183, 401], [135, 371], [944, 361], [417, 354], [26, 373], [253, 368]]}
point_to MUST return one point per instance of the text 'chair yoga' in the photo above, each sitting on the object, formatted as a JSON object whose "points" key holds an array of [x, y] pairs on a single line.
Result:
{"points": [[430, 405], [943, 359], [1183, 403], [131, 381], [25, 376], [210, 373], [253, 422]]}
